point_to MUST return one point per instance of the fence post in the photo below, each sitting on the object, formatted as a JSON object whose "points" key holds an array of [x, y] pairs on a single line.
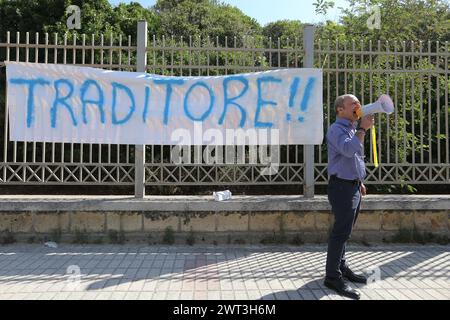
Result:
{"points": [[308, 150], [139, 150]]}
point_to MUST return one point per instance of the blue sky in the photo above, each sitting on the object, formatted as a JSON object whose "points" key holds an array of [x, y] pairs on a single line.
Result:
{"points": [[272, 10]]}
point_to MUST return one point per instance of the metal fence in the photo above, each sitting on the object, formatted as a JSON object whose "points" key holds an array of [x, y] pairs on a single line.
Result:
{"points": [[413, 142]]}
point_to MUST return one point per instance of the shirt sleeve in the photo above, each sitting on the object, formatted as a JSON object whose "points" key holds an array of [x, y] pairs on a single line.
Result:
{"points": [[343, 143]]}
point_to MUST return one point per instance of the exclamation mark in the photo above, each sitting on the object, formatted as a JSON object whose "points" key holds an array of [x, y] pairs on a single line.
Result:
{"points": [[307, 94], [293, 93]]}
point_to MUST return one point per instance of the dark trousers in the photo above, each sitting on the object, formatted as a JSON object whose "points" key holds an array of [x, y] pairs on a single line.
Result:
{"points": [[345, 199]]}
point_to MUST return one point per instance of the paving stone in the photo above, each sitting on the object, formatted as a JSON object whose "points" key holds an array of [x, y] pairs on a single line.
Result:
{"points": [[183, 272]]}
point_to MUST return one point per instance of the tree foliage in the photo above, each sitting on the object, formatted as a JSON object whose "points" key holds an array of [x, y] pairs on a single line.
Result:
{"points": [[211, 23], [402, 20]]}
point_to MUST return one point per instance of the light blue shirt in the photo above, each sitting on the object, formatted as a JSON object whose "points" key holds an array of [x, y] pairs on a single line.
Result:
{"points": [[345, 151]]}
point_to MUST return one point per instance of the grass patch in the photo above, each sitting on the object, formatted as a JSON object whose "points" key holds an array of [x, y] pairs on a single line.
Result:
{"points": [[55, 235], [273, 239], [99, 240], [150, 240], [169, 236], [297, 240], [415, 236], [31, 239], [116, 237], [7, 238], [190, 239], [276, 238], [80, 237]]}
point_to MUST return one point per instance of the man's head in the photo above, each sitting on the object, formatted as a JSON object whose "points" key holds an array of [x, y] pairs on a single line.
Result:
{"points": [[345, 106]]}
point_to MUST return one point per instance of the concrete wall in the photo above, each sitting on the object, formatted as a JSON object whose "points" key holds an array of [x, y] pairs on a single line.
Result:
{"points": [[244, 219]]}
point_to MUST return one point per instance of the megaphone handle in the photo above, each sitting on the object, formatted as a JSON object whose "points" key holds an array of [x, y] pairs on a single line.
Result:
{"points": [[374, 146]]}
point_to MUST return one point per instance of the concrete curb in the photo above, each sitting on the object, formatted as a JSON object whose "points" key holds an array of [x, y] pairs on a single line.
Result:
{"points": [[205, 203]]}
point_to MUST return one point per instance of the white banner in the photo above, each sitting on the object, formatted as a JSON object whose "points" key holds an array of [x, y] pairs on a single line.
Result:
{"points": [[61, 103]]}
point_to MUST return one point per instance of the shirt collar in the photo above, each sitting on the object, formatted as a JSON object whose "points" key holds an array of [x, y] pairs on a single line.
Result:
{"points": [[345, 122]]}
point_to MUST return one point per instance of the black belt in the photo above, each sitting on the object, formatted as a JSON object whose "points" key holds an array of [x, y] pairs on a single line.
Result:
{"points": [[335, 177]]}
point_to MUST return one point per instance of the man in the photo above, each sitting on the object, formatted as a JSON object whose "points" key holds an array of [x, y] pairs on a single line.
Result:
{"points": [[346, 172]]}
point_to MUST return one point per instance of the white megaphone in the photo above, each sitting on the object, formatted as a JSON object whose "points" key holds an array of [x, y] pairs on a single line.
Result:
{"points": [[383, 104]]}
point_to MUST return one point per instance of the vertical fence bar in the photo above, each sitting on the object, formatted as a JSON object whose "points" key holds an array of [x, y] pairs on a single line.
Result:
{"points": [[110, 51], [139, 156], [320, 66], [396, 109], [83, 61], [74, 62], [296, 49], [44, 159], [328, 83], [92, 63], [438, 107], [36, 57], [129, 64], [371, 59], [405, 101], [430, 143], [5, 132], [55, 61], [447, 157], [379, 126], [25, 143], [17, 60], [388, 84], [413, 105], [308, 150], [421, 106]]}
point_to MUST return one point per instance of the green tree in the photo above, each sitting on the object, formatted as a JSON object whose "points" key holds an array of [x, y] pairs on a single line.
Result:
{"points": [[283, 29], [285, 34], [204, 23], [126, 16], [29, 15], [322, 6], [409, 20], [215, 25], [204, 18], [403, 25]]}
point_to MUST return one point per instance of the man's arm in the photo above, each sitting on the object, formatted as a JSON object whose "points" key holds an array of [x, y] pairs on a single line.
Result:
{"points": [[345, 145], [366, 123], [360, 134]]}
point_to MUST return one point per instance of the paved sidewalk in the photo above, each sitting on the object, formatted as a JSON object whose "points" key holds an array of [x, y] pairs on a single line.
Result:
{"points": [[215, 272]]}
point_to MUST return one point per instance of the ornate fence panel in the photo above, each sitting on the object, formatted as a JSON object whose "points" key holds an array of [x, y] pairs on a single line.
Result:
{"points": [[413, 142]]}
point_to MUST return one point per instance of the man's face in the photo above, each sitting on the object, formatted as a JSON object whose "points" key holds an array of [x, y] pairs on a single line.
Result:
{"points": [[347, 110]]}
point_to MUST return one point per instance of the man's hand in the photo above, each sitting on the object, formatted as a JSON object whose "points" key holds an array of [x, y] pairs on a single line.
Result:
{"points": [[363, 189], [367, 122]]}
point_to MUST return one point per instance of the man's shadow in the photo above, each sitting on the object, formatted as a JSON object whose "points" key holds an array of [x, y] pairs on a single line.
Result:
{"points": [[316, 290], [312, 290]]}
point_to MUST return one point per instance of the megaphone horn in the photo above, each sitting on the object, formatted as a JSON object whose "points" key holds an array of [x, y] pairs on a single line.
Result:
{"points": [[383, 104]]}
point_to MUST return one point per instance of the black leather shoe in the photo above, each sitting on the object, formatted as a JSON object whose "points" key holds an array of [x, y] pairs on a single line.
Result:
{"points": [[353, 277], [342, 288]]}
